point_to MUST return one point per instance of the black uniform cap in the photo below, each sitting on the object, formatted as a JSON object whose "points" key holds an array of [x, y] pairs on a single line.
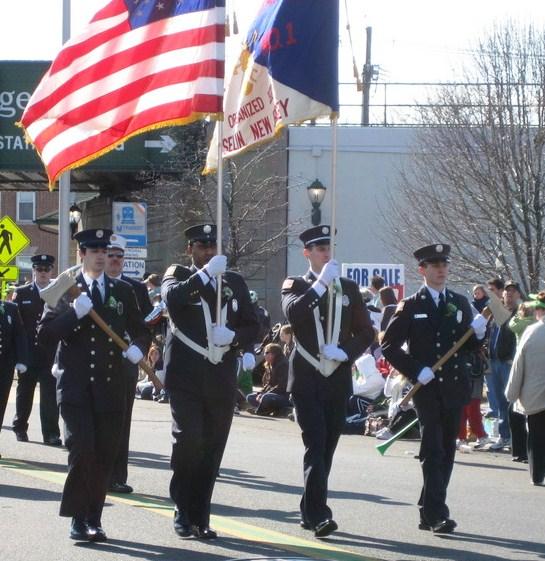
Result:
{"points": [[433, 253], [93, 238], [42, 259], [320, 235], [201, 233]]}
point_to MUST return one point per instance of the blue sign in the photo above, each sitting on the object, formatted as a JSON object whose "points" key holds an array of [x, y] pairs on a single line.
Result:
{"points": [[130, 221]]}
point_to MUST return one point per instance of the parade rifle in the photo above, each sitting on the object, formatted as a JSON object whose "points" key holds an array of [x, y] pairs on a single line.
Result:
{"points": [[493, 309], [65, 284]]}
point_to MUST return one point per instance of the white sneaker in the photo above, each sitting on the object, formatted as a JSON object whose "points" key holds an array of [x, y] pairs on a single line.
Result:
{"points": [[384, 434], [500, 444], [482, 442]]}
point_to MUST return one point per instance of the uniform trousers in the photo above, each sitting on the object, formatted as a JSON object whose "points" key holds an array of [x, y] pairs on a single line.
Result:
{"points": [[321, 418], [6, 379], [92, 438], [536, 446], [49, 410], [200, 427], [120, 469], [439, 426]]}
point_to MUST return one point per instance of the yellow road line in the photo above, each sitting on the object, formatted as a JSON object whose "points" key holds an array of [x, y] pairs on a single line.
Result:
{"points": [[230, 526]]}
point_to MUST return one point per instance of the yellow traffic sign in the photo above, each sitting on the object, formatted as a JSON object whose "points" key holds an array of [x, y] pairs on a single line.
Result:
{"points": [[12, 240], [9, 274]]}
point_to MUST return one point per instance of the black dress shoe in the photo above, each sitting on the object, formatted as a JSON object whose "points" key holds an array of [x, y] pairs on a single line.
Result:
{"points": [[423, 525], [521, 459], [78, 530], [120, 488], [182, 526], [444, 527], [325, 528], [204, 533], [96, 533], [305, 525], [53, 441], [21, 436]]}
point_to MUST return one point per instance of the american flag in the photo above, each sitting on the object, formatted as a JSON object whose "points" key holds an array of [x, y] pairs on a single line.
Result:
{"points": [[138, 65]]}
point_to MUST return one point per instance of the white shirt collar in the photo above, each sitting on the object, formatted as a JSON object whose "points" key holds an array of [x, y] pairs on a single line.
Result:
{"points": [[435, 293], [89, 280]]}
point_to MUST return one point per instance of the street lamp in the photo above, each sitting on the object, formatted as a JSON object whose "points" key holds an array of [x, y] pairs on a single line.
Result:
{"points": [[75, 217], [316, 193]]}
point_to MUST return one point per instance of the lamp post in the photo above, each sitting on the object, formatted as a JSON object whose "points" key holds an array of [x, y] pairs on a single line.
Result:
{"points": [[74, 218], [316, 193]]}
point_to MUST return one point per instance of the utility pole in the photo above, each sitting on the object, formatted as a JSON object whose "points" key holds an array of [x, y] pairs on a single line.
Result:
{"points": [[367, 77]]}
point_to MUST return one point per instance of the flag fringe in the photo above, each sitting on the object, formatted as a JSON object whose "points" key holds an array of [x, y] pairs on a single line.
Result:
{"points": [[78, 163]]}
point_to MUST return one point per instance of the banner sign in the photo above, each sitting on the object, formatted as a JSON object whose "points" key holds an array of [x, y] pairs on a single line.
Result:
{"points": [[362, 273]]}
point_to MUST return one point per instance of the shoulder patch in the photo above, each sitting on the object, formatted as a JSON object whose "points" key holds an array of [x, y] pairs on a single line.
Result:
{"points": [[400, 306], [288, 283]]}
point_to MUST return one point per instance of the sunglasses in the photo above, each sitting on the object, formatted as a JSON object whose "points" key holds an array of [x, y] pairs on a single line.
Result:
{"points": [[116, 255], [43, 269]]}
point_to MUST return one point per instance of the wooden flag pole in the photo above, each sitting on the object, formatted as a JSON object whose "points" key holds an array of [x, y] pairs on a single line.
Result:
{"points": [[333, 225], [219, 216]]}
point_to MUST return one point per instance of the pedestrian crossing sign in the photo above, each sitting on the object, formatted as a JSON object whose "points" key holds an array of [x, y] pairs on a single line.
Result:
{"points": [[9, 274], [12, 240]]}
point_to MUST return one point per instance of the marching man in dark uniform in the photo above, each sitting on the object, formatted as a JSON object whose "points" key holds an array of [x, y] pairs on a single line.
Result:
{"points": [[114, 269], [13, 351], [201, 366], [31, 306], [91, 385], [320, 373], [430, 322]]}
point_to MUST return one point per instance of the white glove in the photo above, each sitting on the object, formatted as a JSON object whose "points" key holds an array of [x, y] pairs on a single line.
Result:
{"points": [[479, 326], [329, 272], [332, 352], [222, 336], [133, 354], [21, 368], [216, 266], [82, 305], [426, 375], [248, 361]]}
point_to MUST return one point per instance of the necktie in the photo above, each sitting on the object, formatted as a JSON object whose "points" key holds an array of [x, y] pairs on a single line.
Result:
{"points": [[96, 297], [442, 306]]}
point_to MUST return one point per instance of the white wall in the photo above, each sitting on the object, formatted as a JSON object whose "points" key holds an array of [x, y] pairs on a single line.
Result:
{"points": [[368, 163]]}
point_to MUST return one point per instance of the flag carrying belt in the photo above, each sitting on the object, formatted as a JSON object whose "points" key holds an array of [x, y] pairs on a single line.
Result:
{"points": [[213, 353], [324, 366]]}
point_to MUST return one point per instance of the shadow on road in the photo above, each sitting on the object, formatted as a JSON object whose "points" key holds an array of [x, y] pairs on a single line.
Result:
{"points": [[148, 460], [28, 493], [428, 551], [255, 482]]}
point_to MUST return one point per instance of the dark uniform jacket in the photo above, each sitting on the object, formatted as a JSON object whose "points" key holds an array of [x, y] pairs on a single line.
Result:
{"points": [[89, 360], [356, 332], [187, 369], [142, 296], [417, 321], [31, 307], [13, 342]]}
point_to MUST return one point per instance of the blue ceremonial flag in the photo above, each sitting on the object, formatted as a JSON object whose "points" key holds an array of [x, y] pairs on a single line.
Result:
{"points": [[287, 73]]}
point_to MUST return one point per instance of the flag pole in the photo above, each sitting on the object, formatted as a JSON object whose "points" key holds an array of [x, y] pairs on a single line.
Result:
{"points": [[333, 224], [219, 215]]}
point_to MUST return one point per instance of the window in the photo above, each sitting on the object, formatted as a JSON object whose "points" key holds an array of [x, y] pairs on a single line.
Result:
{"points": [[26, 206]]}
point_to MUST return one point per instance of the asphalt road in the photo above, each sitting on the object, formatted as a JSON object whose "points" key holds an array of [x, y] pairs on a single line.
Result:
{"points": [[255, 506]]}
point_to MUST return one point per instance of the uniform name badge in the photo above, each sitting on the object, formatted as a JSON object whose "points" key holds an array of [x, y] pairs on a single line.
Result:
{"points": [[9, 320], [346, 300], [459, 316], [234, 304]]}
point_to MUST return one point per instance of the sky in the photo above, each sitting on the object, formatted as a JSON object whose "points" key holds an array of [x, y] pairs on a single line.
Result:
{"points": [[417, 41]]}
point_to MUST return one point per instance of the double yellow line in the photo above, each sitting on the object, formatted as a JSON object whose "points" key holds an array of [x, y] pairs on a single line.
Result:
{"points": [[314, 549]]}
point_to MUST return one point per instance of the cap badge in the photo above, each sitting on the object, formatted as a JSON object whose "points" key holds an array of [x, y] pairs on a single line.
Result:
{"points": [[439, 248], [325, 230], [43, 257], [207, 229], [100, 234]]}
